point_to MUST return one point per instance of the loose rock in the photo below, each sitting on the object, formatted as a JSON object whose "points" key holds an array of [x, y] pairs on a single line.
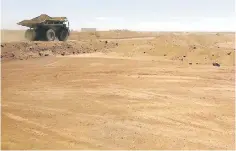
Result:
{"points": [[216, 64], [63, 53]]}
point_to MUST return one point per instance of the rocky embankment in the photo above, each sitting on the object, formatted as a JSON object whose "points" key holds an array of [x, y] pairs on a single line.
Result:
{"points": [[26, 50]]}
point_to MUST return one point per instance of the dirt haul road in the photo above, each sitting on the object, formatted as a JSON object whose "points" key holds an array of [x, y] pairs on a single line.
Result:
{"points": [[98, 101]]}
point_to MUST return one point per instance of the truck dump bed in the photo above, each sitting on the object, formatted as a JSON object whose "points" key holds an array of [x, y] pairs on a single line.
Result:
{"points": [[40, 19]]}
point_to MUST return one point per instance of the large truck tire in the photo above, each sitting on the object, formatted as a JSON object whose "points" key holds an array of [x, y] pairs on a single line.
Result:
{"points": [[50, 35], [63, 35]]}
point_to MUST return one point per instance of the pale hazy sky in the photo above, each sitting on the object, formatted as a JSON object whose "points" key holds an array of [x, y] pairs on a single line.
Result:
{"points": [[148, 15]]}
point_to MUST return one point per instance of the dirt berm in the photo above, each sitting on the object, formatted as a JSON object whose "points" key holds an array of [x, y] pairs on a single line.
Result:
{"points": [[26, 50]]}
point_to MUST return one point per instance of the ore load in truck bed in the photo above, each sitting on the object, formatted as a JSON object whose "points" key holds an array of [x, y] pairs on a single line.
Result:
{"points": [[40, 19]]}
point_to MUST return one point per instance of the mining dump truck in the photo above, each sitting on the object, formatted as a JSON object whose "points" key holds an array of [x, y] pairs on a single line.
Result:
{"points": [[46, 28]]}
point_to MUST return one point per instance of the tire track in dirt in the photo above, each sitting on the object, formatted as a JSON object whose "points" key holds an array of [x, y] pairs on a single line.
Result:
{"points": [[82, 142]]}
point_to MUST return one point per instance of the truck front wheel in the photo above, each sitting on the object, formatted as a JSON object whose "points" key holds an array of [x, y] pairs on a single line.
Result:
{"points": [[63, 35], [50, 35]]}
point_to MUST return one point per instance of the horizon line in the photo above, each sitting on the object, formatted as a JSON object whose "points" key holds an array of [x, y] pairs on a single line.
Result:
{"points": [[129, 30]]}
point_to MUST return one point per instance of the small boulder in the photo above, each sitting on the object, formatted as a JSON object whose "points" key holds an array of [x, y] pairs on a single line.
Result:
{"points": [[30, 48], [63, 53], [194, 47], [216, 64], [45, 53]]}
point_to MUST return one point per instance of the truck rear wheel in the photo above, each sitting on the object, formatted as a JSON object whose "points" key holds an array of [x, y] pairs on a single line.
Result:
{"points": [[50, 35], [63, 35], [30, 34]]}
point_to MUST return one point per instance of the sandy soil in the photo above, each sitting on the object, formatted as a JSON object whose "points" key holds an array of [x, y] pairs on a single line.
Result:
{"points": [[158, 93]]}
